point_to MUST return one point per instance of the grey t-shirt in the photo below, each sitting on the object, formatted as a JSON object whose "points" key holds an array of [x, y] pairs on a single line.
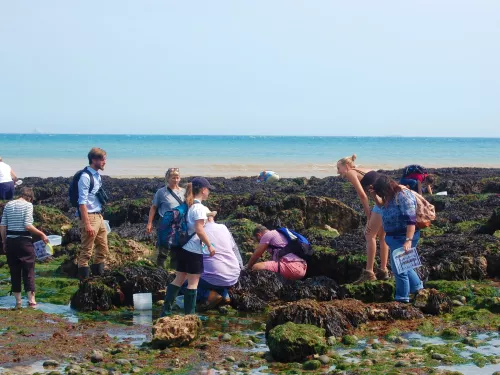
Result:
{"points": [[164, 201]]}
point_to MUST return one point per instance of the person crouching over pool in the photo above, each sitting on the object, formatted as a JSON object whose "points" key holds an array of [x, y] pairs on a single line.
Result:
{"points": [[190, 257], [290, 266]]}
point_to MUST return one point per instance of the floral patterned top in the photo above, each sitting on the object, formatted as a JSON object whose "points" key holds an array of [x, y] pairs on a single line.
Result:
{"points": [[399, 213]]}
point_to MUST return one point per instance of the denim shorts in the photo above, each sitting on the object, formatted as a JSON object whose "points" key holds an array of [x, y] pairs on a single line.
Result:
{"points": [[376, 209]]}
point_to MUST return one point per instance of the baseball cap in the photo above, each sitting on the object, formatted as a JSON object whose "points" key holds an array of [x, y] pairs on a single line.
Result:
{"points": [[369, 179], [202, 182]]}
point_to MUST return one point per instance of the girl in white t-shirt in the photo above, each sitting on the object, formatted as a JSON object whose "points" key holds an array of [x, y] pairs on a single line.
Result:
{"points": [[190, 258]]}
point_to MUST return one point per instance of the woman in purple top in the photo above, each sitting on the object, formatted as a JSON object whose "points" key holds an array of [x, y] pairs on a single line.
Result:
{"points": [[399, 218]]}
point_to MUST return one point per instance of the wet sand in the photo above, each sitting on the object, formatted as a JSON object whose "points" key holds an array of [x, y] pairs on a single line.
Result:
{"points": [[51, 167]]}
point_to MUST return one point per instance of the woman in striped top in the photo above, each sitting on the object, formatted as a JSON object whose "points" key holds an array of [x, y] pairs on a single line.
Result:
{"points": [[16, 230]]}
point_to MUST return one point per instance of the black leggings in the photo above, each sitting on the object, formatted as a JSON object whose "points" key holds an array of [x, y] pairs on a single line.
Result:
{"points": [[21, 261]]}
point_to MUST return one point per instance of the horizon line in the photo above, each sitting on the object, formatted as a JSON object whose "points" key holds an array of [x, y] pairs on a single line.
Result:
{"points": [[250, 135]]}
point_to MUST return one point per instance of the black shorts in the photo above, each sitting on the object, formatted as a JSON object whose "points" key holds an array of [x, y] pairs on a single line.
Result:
{"points": [[189, 262]]}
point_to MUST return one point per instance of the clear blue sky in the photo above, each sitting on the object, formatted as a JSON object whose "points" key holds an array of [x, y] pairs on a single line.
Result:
{"points": [[251, 67]]}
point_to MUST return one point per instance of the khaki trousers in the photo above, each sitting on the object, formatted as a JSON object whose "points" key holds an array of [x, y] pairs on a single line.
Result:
{"points": [[99, 240]]}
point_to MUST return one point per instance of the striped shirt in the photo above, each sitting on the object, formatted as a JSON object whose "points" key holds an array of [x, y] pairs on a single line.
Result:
{"points": [[17, 215]]}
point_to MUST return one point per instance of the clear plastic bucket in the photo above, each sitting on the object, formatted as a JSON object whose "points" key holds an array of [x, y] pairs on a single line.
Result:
{"points": [[143, 301], [106, 224], [55, 240]]}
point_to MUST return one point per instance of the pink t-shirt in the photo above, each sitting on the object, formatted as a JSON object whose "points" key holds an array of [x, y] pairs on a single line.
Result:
{"points": [[273, 238]]}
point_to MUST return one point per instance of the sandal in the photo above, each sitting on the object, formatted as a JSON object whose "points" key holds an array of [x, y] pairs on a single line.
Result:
{"points": [[19, 305], [32, 304]]}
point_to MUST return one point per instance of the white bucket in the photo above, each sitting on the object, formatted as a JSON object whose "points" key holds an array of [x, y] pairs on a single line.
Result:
{"points": [[106, 224], [143, 301], [179, 301], [442, 193], [55, 240]]}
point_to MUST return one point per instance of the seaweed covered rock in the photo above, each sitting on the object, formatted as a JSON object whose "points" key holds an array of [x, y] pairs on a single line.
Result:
{"points": [[371, 291], [264, 285], [456, 257], [342, 261], [176, 330], [493, 223], [393, 311], [94, 295], [50, 220], [122, 251], [256, 289], [320, 288], [336, 317], [431, 301], [116, 288], [294, 342]]}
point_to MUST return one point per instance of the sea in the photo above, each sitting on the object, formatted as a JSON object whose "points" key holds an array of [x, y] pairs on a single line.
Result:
{"points": [[51, 155]]}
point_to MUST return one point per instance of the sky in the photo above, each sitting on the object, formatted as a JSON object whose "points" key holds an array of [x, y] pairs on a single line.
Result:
{"points": [[260, 67]]}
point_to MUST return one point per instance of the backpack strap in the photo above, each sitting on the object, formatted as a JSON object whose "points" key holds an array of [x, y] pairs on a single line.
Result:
{"points": [[174, 195], [91, 185], [91, 176]]}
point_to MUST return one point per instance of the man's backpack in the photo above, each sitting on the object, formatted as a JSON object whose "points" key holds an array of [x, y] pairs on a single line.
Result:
{"points": [[73, 186], [414, 168], [172, 229], [297, 244]]}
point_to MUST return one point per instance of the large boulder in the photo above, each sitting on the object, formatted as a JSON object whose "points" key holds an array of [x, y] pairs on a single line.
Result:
{"points": [[456, 256], [372, 291], [256, 289], [175, 331], [294, 342], [294, 211], [393, 311], [336, 317], [117, 287]]}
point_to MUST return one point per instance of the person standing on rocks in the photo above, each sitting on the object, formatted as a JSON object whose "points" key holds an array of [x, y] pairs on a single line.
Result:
{"points": [[7, 181], [16, 230], [399, 217], [93, 232], [290, 266], [348, 170], [190, 258], [167, 198]]}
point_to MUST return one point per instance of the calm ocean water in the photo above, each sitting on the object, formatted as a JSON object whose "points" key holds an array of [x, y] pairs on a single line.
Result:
{"points": [[380, 152]]}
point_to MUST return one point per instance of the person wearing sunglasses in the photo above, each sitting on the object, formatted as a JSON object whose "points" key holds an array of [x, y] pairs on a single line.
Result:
{"points": [[167, 198]]}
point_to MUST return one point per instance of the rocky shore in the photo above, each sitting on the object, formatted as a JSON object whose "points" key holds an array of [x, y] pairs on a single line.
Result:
{"points": [[323, 321]]}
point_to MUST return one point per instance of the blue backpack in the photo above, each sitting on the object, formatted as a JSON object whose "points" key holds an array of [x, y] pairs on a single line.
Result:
{"points": [[172, 229], [297, 244], [414, 168]]}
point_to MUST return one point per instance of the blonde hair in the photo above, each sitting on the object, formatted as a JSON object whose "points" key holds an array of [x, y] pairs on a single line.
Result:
{"points": [[96, 153], [348, 161], [169, 172], [191, 192]]}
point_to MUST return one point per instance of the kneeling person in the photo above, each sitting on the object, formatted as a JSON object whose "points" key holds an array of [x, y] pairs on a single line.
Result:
{"points": [[222, 270], [290, 266]]}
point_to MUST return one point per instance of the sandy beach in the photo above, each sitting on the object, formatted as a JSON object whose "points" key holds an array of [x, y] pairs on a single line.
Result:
{"points": [[41, 167]]}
